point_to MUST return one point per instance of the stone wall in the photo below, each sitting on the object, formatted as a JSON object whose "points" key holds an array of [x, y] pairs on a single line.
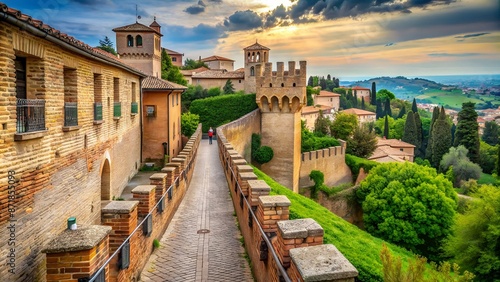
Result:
{"points": [[57, 171], [239, 133], [238, 83], [330, 161]]}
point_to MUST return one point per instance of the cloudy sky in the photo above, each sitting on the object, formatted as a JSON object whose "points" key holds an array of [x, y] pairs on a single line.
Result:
{"points": [[344, 38]]}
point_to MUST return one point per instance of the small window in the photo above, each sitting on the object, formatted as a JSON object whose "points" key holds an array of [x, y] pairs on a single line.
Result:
{"points": [[151, 111], [401, 149], [252, 71], [138, 41], [174, 59], [130, 41]]}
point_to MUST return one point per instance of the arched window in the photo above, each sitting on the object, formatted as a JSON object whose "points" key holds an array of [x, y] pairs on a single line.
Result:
{"points": [[138, 40], [248, 57], [253, 56], [252, 71], [258, 57], [130, 41]]}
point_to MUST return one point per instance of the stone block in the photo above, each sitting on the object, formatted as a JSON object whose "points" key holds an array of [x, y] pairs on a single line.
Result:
{"points": [[299, 228]]}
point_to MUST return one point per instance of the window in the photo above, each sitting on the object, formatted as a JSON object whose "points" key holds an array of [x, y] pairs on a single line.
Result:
{"points": [[20, 65], [150, 111], [70, 97], [252, 71], [138, 41], [130, 41], [97, 97], [117, 107], [174, 59], [134, 109], [177, 99]]}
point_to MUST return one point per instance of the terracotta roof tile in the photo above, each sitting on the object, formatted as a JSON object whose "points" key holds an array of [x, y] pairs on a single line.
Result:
{"points": [[324, 93], [138, 27], [219, 74], [172, 52], [190, 72], [215, 58], [256, 46], [395, 143], [315, 109], [154, 83], [359, 88], [358, 112]]}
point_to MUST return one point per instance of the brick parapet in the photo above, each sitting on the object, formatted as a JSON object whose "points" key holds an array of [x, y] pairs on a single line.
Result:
{"points": [[160, 181], [270, 210], [145, 194], [122, 217]]}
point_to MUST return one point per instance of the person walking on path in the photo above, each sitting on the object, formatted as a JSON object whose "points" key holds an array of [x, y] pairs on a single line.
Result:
{"points": [[210, 135]]}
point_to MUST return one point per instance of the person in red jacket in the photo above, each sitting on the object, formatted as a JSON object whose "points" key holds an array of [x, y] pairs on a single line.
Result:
{"points": [[210, 135]]}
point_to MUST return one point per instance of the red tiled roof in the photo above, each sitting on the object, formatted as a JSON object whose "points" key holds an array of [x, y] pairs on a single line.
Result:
{"points": [[154, 83], [137, 27], [172, 52], [215, 58], [256, 46], [64, 38], [358, 112], [219, 74], [315, 109], [190, 72], [360, 88], [394, 143], [324, 93]]}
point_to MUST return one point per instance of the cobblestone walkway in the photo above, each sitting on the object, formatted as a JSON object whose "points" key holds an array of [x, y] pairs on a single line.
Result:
{"points": [[186, 252]]}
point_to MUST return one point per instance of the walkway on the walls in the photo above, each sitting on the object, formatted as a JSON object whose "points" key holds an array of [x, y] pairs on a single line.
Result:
{"points": [[202, 241]]}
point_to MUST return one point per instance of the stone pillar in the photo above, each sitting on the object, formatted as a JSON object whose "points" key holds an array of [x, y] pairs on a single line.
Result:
{"points": [[177, 170], [257, 188], [121, 216], [181, 161], [243, 179], [170, 171], [75, 254], [145, 194], [160, 181], [320, 263], [295, 234], [270, 210]]}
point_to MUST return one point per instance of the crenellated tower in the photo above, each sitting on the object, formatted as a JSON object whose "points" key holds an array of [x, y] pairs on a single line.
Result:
{"points": [[252, 56], [280, 97]]}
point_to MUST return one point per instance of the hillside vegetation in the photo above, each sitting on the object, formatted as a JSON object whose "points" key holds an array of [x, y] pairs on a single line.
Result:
{"points": [[359, 247], [402, 87]]}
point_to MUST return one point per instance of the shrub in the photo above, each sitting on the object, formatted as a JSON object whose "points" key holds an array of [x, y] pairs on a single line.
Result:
{"points": [[355, 163], [256, 141], [264, 154], [189, 123], [318, 178], [215, 111]]}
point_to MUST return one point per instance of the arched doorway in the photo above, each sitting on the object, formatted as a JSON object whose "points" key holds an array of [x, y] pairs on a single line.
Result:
{"points": [[105, 181]]}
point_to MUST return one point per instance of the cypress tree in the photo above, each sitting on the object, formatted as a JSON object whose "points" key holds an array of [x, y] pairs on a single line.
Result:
{"points": [[355, 99], [428, 151], [387, 107], [498, 162], [373, 95], [363, 104], [419, 150], [402, 112], [310, 81], [441, 138], [410, 131], [414, 106], [453, 130], [467, 131], [386, 128], [379, 112]]}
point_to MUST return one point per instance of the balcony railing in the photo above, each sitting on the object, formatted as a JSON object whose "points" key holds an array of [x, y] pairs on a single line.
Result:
{"points": [[134, 108], [117, 109], [98, 111], [30, 115], [70, 114]]}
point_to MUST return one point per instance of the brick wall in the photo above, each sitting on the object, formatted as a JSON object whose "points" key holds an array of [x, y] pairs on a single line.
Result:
{"points": [[239, 133], [59, 174]]}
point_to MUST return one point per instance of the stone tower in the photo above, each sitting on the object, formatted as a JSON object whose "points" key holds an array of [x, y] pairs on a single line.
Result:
{"points": [[280, 97], [253, 55], [140, 46]]}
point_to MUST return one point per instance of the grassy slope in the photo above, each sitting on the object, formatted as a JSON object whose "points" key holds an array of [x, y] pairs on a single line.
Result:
{"points": [[359, 247], [453, 98]]}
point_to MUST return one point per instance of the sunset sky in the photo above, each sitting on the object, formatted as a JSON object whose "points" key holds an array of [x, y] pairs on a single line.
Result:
{"points": [[344, 38]]}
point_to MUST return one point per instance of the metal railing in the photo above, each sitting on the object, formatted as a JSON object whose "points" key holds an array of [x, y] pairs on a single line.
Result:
{"points": [[97, 111], [70, 114], [117, 109], [280, 267], [134, 108], [100, 273], [30, 115]]}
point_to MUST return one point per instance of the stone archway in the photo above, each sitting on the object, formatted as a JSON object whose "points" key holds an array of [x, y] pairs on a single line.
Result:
{"points": [[106, 181]]}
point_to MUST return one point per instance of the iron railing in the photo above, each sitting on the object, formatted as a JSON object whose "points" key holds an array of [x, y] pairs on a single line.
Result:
{"points": [[144, 225], [30, 115], [243, 199], [134, 108], [98, 111], [70, 114], [117, 109]]}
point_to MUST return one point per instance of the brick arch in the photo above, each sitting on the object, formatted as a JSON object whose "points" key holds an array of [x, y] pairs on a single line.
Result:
{"points": [[275, 104], [285, 104], [106, 178], [264, 104], [295, 105]]}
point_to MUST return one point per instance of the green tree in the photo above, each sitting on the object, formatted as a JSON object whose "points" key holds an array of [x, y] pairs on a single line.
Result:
{"points": [[410, 133], [343, 125], [310, 81], [414, 107], [169, 71], [362, 104], [384, 94], [380, 111], [409, 205], [428, 151], [321, 125], [309, 92], [355, 99], [189, 123], [396, 127], [467, 131], [463, 168], [386, 127], [497, 169], [228, 87], [190, 64], [419, 150], [491, 133], [387, 108], [441, 138], [488, 157], [107, 45], [373, 94], [475, 243], [362, 143], [402, 112]]}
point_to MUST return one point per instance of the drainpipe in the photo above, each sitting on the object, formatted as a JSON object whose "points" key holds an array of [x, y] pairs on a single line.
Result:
{"points": [[141, 113]]}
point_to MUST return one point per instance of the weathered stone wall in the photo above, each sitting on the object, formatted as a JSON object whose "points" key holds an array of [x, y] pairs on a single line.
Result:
{"points": [[58, 174], [238, 83], [239, 133], [330, 161]]}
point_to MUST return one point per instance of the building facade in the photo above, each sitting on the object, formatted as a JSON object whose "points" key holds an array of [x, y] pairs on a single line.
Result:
{"points": [[218, 78], [219, 63], [70, 137], [363, 116], [253, 55], [176, 57], [310, 114], [362, 93], [327, 98]]}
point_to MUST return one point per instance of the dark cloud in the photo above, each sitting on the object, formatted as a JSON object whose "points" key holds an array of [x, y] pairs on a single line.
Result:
{"points": [[243, 20], [215, 1], [453, 55], [201, 3], [472, 35], [195, 9]]}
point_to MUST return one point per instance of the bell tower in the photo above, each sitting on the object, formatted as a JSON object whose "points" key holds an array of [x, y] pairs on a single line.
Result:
{"points": [[253, 55], [280, 96]]}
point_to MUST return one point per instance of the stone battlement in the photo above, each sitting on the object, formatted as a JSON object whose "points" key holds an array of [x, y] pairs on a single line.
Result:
{"points": [[266, 77]]}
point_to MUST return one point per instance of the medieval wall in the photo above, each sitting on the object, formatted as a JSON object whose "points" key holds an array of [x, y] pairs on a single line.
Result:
{"points": [[238, 83], [56, 173], [239, 133]]}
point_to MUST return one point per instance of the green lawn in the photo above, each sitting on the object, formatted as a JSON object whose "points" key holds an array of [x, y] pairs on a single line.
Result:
{"points": [[359, 247], [453, 98]]}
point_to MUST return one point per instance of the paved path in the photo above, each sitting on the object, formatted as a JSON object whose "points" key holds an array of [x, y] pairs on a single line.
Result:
{"points": [[186, 255]]}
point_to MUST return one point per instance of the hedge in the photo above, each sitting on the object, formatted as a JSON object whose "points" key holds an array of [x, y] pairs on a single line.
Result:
{"points": [[219, 110], [355, 163]]}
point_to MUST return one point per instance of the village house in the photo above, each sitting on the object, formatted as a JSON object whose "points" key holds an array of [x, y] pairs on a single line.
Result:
{"points": [[219, 63], [188, 74], [176, 57], [362, 93], [310, 114], [70, 136], [363, 116], [327, 98], [393, 150], [218, 77]]}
